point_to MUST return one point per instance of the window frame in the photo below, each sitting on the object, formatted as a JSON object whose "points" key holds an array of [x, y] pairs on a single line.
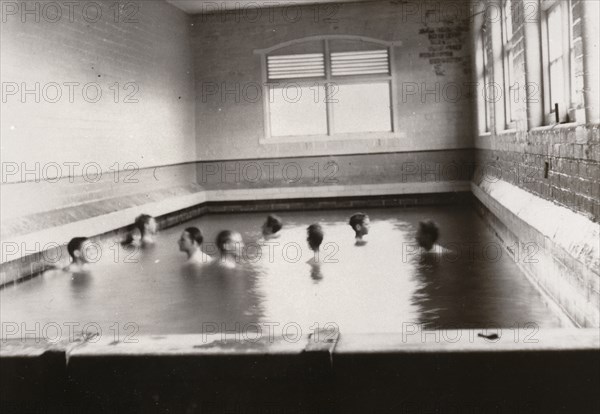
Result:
{"points": [[508, 43], [566, 115], [394, 133], [484, 108]]}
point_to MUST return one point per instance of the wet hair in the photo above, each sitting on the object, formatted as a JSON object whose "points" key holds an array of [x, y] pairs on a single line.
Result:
{"points": [[195, 234], [429, 228], [223, 237], [74, 245], [274, 223], [356, 219], [141, 221], [315, 236]]}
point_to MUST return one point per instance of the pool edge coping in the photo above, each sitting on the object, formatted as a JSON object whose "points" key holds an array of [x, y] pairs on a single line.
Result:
{"points": [[480, 340]]}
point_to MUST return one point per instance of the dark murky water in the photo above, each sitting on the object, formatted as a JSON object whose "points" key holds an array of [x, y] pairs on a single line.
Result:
{"points": [[373, 288]]}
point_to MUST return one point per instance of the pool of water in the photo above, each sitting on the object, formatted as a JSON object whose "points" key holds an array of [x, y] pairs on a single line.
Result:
{"points": [[378, 287]]}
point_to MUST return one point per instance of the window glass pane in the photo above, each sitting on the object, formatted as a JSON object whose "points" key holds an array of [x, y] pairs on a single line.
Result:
{"points": [[513, 102], [555, 33], [361, 107], [297, 110], [487, 89], [557, 94], [480, 84], [508, 64], [510, 96], [508, 31]]}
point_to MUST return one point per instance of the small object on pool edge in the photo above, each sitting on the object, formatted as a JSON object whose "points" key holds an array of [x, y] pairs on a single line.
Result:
{"points": [[490, 336]]}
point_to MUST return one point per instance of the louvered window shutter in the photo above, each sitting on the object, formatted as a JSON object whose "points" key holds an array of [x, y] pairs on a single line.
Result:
{"points": [[308, 65], [368, 62]]}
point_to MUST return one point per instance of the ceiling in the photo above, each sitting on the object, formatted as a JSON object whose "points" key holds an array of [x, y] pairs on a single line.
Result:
{"points": [[212, 6]]}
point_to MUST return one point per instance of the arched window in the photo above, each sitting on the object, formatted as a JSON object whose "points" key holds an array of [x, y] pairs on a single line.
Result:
{"points": [[329, 87]]}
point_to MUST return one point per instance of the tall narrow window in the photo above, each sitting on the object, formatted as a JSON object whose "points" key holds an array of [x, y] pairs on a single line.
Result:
{"points": [[557, 65], [576, 58], [481, 87], [556, 56], [511, 89], [486, 91]]}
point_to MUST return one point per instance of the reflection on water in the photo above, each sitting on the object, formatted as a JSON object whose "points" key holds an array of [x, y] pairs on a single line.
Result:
{"points": [[316, 273], [360, 288], [376, 287]]}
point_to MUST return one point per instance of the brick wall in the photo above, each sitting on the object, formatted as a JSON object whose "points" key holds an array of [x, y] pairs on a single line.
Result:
{"points": [[132, 84], [93, 95], [559, 163], [231, 127], [540, 181], [572, 156]]}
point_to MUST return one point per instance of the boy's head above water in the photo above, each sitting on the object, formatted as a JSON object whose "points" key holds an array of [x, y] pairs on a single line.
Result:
{"points": [[427, 234], [145, 224], [315, 236], [190, 240], [76, 248], [271, 225], [360, 224], [229, 242]]}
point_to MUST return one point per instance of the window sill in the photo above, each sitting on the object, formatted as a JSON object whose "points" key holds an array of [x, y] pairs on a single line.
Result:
{"points": [[485, 135], [315, 139], [567, 125], [507, 131]]}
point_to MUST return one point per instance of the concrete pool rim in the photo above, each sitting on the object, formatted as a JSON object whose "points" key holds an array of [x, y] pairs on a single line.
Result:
{"points": [[94, 371]]}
